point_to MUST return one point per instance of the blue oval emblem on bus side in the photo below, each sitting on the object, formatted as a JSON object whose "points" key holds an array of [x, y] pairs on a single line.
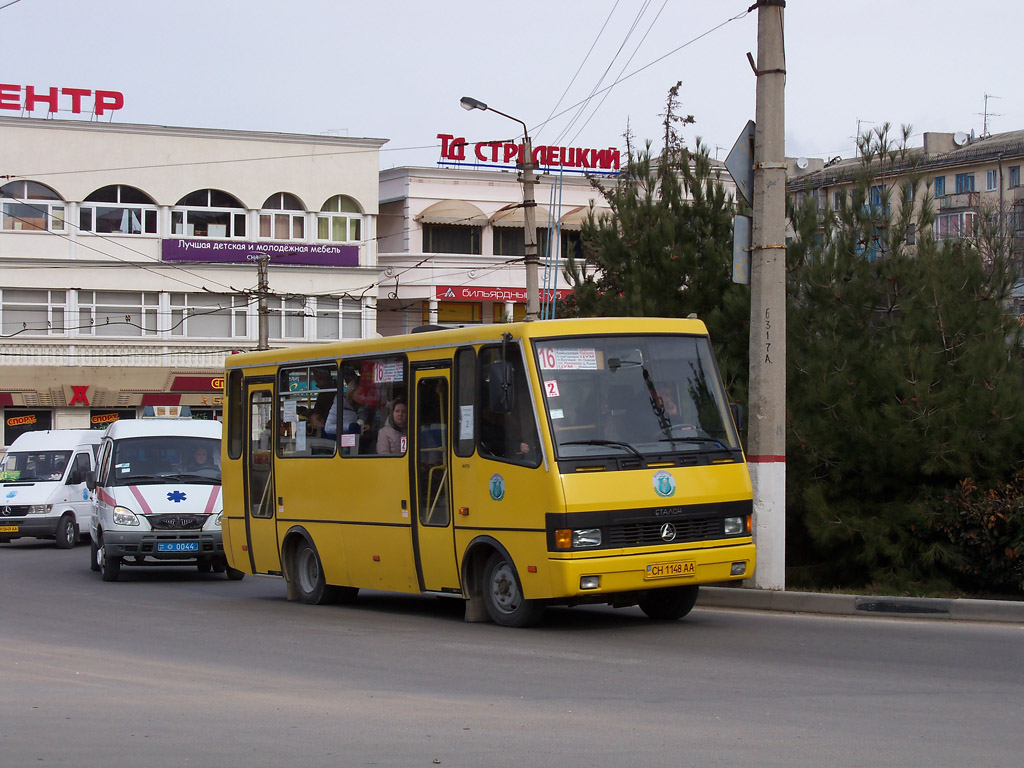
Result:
{"points": [[664, 483], [497, 487]]}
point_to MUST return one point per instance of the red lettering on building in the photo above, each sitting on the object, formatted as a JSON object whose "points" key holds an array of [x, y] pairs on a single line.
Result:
{"points": [[454, 148], [104, 418], [80, 395], [28, 98], [17, 421]]}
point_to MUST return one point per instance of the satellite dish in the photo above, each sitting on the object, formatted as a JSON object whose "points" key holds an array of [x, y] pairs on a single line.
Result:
{"points": [[959, 138], [801, 163]]}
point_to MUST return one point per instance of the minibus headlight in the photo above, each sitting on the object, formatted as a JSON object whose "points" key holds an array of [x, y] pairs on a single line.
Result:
{"points": [[124, 516], [40, 509], [586, 537], [733, 526]]}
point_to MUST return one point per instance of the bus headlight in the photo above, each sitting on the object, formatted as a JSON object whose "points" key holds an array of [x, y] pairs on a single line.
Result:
{"points": [[40, 509], [586, 537], [733, 526], [124, 516]]}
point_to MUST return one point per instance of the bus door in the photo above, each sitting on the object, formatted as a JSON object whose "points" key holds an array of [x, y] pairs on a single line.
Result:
{"points": [[260, 501], [431, 458]]}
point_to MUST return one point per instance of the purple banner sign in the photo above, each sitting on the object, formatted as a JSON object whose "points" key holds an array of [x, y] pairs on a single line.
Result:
{"points": [[243, 252]]}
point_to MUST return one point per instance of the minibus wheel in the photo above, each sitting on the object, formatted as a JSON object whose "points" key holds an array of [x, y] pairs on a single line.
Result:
{"points": [[233, 574], [309, 576], [503, 595], [66, 537], [670, 603]]}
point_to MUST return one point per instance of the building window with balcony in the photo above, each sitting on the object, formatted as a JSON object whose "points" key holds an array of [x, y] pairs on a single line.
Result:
{"points": [[1014, 176], [118, 313], [283, 217], [28, 206], [32, 312], [208, 316], [991, 180], [340, 221], [208, 213], [964, 183], [452, 238], [118, 210], [338, 318], [949, 226], [940, 186]]}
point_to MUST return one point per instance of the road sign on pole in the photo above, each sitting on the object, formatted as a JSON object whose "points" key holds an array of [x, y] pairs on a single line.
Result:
{"points": [[740, 162]]}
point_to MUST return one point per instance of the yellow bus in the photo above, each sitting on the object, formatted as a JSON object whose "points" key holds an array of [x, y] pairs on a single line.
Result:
{"points": [[513, 466]]}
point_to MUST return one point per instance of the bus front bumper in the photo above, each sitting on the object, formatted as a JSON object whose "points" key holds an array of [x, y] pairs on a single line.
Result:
{"points": [[605, 574]]}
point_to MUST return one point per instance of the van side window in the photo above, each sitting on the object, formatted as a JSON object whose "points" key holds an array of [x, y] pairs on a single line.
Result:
{"points": [[79, 469], [505, 431], [104, 463], [306, 395], [373, 410]]}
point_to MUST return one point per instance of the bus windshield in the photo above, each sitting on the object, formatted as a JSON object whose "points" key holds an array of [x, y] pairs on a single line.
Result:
{"points": [[635, 395], [165, 459], [34, 466]]}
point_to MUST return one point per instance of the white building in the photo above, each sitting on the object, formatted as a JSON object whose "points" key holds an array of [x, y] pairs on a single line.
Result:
{"points": [[127, 260], [451, 243]]}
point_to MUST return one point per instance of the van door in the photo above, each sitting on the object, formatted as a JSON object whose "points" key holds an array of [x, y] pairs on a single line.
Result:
{"points": [[431, 458], [260, 499], [78, 492]]}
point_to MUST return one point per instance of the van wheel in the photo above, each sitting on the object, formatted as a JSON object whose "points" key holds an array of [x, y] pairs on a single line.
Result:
{"points": [[204, 566], [67, 537], [670, 603], [94, 555], [110, 566], [309, 577], [503, 595]]}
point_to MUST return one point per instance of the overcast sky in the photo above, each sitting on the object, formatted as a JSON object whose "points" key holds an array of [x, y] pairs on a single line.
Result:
{"points": [[395, 69]]}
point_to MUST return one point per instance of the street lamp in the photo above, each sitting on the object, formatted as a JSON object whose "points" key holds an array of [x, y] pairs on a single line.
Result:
{"points": [[531, 260]]}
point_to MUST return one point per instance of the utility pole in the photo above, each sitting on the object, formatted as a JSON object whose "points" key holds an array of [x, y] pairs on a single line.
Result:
{"points": [[767, 420], [262, 259], [531, 261]]}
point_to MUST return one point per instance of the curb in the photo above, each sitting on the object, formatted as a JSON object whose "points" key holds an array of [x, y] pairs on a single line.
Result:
{"points": [[955, 609]]}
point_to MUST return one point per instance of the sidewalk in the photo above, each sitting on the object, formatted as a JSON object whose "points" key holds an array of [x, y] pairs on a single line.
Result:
{"points": [[954, 609]]}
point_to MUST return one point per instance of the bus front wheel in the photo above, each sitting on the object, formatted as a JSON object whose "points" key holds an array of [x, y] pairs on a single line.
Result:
{"points": [[670, 603], [503, 595], [309, 577]]}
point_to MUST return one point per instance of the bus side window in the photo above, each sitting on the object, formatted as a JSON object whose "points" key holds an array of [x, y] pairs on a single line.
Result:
{"points": [[374, 412], [465, 399], [507, 436]]}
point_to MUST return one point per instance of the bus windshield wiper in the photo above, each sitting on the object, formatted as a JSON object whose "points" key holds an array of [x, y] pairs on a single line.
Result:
{"points": [[695, 439], [614, 443]]}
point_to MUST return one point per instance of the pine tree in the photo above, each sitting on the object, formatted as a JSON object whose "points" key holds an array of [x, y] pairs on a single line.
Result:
{"points": [[905, 377], [665, 250]]}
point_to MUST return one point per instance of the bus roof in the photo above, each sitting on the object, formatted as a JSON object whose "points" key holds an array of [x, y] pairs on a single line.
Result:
{"points": [[471, 334]]}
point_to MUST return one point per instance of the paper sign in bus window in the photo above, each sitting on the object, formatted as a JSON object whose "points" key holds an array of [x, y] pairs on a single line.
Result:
{"points": [[551, 388], [567, 359]]}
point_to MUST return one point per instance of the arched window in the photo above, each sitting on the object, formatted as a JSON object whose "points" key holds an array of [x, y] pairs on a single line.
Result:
{"points": [[208, 213], [119, 210], [340, 220], [283, 217], [28, 206]]}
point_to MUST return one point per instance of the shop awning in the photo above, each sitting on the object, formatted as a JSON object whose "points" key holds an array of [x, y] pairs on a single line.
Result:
{"points": [[456, 212], [515, 216], [573, 219]]}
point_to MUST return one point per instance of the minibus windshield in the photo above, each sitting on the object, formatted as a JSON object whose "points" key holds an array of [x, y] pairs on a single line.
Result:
{"points": [[635, 395], [165, 459], [34, 466]]}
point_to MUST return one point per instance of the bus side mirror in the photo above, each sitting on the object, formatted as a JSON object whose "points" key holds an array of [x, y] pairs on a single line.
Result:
{"points": [[90, 480], [500, 387], [737, 414]]}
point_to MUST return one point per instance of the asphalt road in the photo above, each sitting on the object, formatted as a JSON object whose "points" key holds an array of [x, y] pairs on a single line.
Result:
{"points": [[169, 667]]}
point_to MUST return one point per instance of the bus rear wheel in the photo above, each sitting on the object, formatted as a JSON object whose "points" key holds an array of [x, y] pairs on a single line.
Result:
{"points": [[308, 573], [503, 595], [670, 603]]}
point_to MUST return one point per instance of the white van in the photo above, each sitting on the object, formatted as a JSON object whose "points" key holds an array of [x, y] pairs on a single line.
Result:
{"points": [[158, 499], [43, 492]]}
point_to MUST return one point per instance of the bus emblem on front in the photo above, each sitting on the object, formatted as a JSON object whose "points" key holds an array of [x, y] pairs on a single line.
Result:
{"points": [[668, 532]]}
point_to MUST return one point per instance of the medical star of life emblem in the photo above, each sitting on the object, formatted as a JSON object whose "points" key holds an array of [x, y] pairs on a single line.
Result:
{"points": [[176, 496]]}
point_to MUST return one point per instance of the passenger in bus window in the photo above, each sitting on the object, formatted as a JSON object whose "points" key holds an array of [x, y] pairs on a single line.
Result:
{"points": [[393, 435]]}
